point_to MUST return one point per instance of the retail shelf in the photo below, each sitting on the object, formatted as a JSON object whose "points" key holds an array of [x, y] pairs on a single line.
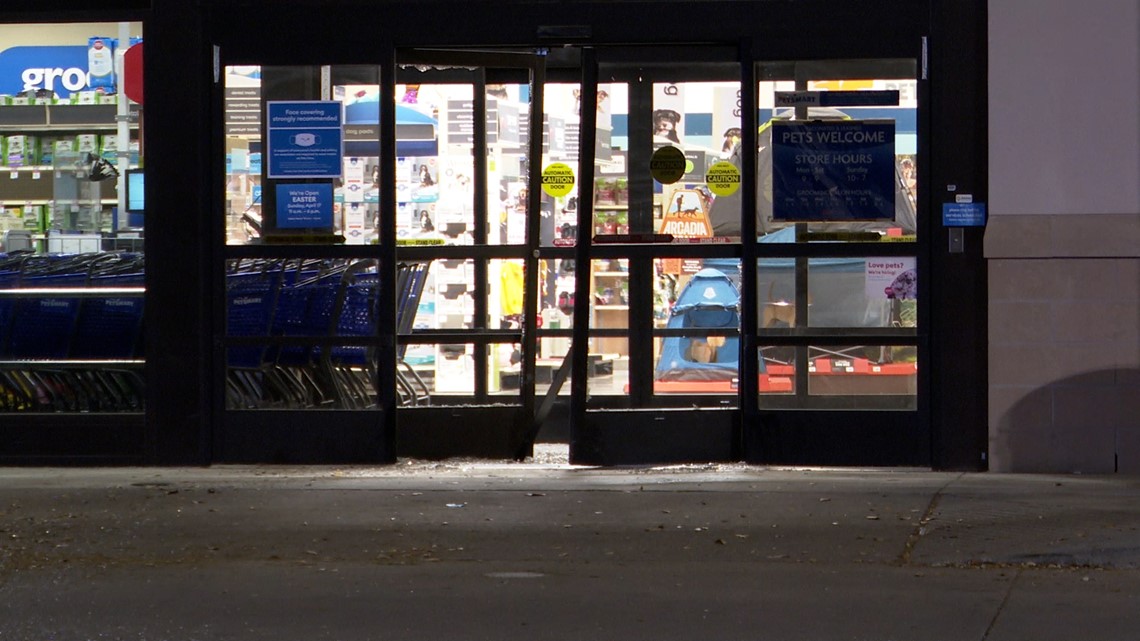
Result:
{"points": [[40, 118]]}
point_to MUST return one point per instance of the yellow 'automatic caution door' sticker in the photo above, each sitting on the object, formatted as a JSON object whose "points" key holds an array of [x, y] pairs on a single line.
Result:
{"points": [[723, 178], [557, 179]]}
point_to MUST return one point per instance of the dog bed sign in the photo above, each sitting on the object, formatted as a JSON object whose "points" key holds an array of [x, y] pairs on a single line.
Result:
{"points": [[893, 277], [833, 170]]}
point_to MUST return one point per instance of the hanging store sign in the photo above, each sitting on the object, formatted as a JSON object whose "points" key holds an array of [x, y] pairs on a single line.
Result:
{"points": [[461, 122], [305, 139], [243, 111], [885, 98], [60, 70], [833, 170]]}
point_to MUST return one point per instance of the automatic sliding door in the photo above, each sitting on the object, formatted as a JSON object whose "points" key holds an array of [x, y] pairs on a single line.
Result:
{"points": [[469, 212], [659, 371], [840, 265]]}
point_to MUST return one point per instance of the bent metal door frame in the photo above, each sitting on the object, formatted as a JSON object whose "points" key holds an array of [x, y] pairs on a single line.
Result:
{"points": [[481, 425], [643, 428]]}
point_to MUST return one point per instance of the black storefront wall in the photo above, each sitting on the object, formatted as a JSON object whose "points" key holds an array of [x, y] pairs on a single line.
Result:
{"points": [[959, 298], [183, 107]]}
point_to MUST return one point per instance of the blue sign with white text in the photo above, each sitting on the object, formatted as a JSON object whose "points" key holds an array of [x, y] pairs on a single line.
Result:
{"points": [[305, 139], [60, 70], [833, 170], [963, 214], [305, 206]]}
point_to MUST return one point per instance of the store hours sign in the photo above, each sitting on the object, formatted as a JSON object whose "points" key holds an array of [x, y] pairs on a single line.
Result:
{"points": [[833, 170]]}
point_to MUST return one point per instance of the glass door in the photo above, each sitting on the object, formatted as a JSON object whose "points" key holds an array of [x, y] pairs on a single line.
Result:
{"points": [[304, 279], [468, 217], [749, 261], [839, 263], [658, 294], [380, 259]]}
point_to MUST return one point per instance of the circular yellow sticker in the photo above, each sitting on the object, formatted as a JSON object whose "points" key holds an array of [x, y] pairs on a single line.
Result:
{"points": [[667, 165], [723, 178], [557, 179]]}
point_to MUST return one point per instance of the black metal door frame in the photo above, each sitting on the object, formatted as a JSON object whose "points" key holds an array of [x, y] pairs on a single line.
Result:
{"points": [[472, 426], [482, 425], [314, 434], [634, 431], [178, 427], [818, 431], [641, 427]]}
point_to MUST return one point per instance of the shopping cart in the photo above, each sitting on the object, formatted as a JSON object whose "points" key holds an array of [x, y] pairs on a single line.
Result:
{"points": [[65, 347], [355, 313], [300, 309]]}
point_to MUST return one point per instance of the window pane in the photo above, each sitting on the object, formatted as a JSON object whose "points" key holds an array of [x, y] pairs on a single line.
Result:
{"points": [[845, 189], [701, 297], [702, 119], [72, 218], [844, 377], [297, 308], [841, 292]]}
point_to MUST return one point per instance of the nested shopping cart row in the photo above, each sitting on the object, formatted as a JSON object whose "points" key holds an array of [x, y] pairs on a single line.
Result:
{"points": [[303, 333], [71, 332]]}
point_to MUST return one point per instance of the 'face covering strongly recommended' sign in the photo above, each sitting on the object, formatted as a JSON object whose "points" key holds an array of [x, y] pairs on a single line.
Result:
{"points": [[305, 139]]}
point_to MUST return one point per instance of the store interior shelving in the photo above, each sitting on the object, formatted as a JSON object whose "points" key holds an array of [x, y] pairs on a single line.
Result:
{"points": [[45, 159]]}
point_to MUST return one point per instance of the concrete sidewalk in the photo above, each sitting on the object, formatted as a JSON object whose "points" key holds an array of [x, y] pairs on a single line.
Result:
{"points": [[543, 550]]}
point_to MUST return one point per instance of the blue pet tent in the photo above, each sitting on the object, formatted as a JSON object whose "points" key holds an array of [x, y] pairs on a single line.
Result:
{"points": [[709, 300]]}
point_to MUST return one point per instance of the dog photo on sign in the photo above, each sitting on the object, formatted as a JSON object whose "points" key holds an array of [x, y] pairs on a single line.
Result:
{"points": [[904, 286]]}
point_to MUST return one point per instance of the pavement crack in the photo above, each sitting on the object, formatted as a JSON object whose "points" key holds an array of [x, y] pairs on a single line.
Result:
{"points": [[920, 529], [1001, 606]]}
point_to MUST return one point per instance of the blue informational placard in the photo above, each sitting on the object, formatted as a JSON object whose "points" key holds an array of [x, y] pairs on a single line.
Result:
{"points": [[833, 170], [305, 139], [305, 206], [61, 70], [964, 214]]}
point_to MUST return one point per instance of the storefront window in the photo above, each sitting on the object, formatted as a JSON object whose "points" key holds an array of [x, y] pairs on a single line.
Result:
{"points": [[702, 119], [852, 125], [72, 217], [697, 304]]}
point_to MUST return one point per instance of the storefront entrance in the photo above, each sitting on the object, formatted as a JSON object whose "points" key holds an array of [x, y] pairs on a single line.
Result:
{"points": [[585, 273], [820, 313]]}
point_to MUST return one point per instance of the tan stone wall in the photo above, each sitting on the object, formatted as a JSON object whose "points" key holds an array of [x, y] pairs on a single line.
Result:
{"points": [[1064, 343]]}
